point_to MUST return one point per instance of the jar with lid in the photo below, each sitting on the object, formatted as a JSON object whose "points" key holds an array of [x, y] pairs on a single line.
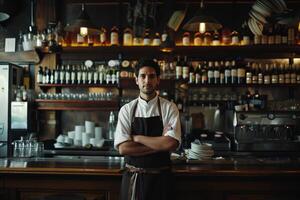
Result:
{"points": [[114, 36], [156, 40], [216, 38], [186, 39], [207, 38], [147, 40], [197, 39], [235, 38], [103, 36], [127, 37]]}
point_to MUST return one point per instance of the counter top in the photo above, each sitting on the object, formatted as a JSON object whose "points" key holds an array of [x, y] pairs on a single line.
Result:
{"points": [[113, 166]]}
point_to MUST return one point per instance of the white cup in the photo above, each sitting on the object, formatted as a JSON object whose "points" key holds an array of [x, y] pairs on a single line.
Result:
{"points": [[98, 133]]}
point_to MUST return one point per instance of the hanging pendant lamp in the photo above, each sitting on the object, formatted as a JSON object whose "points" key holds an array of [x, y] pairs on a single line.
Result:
{"points": [[7, 9], [83, 24], [202, 21]]}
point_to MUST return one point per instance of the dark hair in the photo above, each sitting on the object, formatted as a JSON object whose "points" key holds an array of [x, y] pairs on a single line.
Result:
{"points": [[147, 63]]}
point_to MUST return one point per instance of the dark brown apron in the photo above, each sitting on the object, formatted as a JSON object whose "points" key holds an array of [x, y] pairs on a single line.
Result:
{"points": [[147, 177]]}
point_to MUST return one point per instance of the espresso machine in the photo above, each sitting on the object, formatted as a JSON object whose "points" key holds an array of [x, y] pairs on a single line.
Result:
{"points": [[11, 76], [266, 131]]}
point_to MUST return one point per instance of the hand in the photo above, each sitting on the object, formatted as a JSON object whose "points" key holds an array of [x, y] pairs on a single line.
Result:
{"points": [[135, 138]]}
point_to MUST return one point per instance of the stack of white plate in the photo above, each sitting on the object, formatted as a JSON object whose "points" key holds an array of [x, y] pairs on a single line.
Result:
{"points": [[262, 9], [200, 151]]}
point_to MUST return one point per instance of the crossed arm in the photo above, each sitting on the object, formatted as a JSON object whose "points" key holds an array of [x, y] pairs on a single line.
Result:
{"points": [[143, 145]]}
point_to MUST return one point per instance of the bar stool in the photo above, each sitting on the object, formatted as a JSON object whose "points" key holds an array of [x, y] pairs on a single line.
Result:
{"points": [[64, 197]]}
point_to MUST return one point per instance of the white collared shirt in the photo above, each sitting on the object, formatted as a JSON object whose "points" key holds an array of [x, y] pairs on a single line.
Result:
{"points": [[169, 112]]}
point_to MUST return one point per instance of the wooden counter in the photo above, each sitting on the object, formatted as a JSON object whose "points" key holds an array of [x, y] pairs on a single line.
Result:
{"points": [[33, 179]]}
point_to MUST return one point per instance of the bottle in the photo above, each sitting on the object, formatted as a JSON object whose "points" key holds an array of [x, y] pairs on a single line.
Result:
{"points": [[198, 74], [241, 73], [95, 76], [233, 73], [146, 40], [80, 39], [298, 74], [210, 73], [197, 39], [127, 37], [216, 38], [204, 76], [84, 74], [179, 102], [111, 126], [114, 36], [254, 73], [108, 75], [178, 69], [62, 74], [90, 40], [217, 73], [291, 35], [260, 74], [274, 74], [102, 74], [185, 69], [281, 74], [235, 38], [277, 34], [90, 75], [56, 75], [287, 74], [284, 35], [222, 72], [45, 76], [293, 74], [191, 74], [207, 38], [248, 73], [113, 75], [156, 40], [73, 74], [164, 35], [267, 76], [79, 74], [227, 73], [20, 42], [186, 39], [39, 77], [103, 36], [68, 74], [51, 80], [271, 35]]}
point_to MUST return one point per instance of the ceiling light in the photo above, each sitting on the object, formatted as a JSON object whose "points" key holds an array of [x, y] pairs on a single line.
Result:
{"points": [[202, 21], [83, 24]]}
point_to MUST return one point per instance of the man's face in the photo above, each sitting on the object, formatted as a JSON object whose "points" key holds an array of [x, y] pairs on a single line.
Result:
{"points": [[147, 81]]}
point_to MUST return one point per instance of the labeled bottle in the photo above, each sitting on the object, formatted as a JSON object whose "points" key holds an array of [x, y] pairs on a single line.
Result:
{"points": [[127, 37], [287, 74], [274, 74], [233, 73], [84, 74], [102, 74], [68, 74], [293, 74], [254, 73], [210, 73], [103, 36], [95, 76], [267, 76], [217, 73], [39, 76], [45, 75], [222, 72], [235, 38], [62, 75], [227, 73], [281, 74], [260, 74], [191, 74], [185, 69], [51, 80], [79, 74], [207, 38], [241, 73], [73, 74], [164, 35], [90, 75], [197, 39], [216, 38], [186, 39], [147, 40], [111, 126], [249, 73], [156, 40], [271, 35], [178, 69], [204, 76], [114, 36], [198, 74]]}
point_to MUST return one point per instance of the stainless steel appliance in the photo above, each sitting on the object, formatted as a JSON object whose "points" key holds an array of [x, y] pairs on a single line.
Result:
{"points": [[10, 77], [266, 131]]}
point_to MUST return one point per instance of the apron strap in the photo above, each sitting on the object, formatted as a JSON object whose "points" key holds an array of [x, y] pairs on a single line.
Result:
{"points": [[135, 106]]}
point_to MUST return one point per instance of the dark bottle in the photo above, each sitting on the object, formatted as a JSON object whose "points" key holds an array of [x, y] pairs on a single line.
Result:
{"points": [[260, 74], [287, 74], [281, 74], [249, 73], [62, 74], [271, 35], [241, 73], [185, 69], [254, 73], [73, 74], [178, 69], [68, 74], [217, 73], [39, 77], [210, 73], [45, 75], [274, 74], [293, 74], [179, 102], [222, 73], [298, 74], [56, 75], [204, 76], [198, 74], [267, 74], [227, 73], [233, 73], [191, 74]]}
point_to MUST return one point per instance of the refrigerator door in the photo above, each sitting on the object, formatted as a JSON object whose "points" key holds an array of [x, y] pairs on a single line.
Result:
{"points": [[4, 98]]}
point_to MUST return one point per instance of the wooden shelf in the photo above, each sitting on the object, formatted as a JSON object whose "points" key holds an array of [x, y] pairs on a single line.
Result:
{"points": [[78, 85], [20, 57], [207, 52], [82, 105], [243, 85]]}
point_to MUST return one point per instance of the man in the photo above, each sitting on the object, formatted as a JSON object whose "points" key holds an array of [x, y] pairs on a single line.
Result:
{"points": [[148, 130]]}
